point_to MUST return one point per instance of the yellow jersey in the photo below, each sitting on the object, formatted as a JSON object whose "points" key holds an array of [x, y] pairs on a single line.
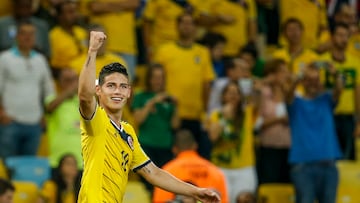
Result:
{"points": [[187, 69], [354, 45], [66, 47], [312, 14], [5, 7], [109, 154], [350, 68], [298, 63], [235, 152], [120, 29], [235, 33]]}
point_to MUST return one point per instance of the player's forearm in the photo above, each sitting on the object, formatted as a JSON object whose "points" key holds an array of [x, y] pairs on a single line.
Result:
{"points": [[87, 78], [168, 182]]}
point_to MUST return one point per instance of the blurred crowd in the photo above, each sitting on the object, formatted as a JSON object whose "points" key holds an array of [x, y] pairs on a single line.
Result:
{"points": [[268, 89]]}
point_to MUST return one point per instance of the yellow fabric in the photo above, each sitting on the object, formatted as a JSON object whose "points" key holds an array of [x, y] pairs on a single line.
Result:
{"points": [[311, 13], [25, 192], [354, 45], [296, 65], [120, 30], [236, 33], [65, 47], [163, 14], [277, 192], [351, 70], [101, 61], [246, 156], [108, 159], [49, 193], [5, 7], [187, 69]]}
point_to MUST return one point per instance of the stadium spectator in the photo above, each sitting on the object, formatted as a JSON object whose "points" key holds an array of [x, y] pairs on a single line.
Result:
{"points": [[22, 10], [236, 21], [25, 82], [122, 39], [347, 112], [190, 167], [272, 125], [189, 74], [65, 184], [7, 190], [231, 133], [62, 118], [67, 39], [314, 147], [155, 114]]}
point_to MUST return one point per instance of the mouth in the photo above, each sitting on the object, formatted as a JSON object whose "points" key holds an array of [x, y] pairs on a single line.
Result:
{"points": [[117, 99]]}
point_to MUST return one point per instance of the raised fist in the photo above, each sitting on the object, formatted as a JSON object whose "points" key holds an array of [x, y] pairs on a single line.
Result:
{"points": [[96, 40]]}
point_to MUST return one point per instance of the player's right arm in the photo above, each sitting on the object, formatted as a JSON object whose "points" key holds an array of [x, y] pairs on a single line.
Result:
{"points": [[86, 91]]}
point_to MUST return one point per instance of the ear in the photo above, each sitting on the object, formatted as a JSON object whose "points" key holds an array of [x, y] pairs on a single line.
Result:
{"points": [[97, 90]]}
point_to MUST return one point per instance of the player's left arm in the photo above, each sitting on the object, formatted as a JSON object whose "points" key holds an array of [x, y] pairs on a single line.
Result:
{"points": [[164, 180]]}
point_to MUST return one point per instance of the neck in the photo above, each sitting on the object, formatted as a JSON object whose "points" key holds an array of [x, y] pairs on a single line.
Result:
{"points": [[295, 48], [68, 28], [186, 42], [116, 117], [24, 51], [338, 55]]}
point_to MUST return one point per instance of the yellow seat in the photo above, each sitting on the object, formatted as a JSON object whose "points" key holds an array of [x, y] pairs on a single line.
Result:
{"points": [[25, 192], [3, 171], [276, 193], [136, 193], [349, 182]]}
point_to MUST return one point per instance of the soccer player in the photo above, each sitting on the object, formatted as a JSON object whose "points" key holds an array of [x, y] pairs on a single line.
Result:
{"points": [[110, 147]]}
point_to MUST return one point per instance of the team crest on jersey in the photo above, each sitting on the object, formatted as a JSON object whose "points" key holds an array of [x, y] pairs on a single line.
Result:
{"points": [[197, 59], [130, 142]]}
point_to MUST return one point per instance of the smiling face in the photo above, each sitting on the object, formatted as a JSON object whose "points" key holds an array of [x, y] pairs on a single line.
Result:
{"points": [[114, 92]]}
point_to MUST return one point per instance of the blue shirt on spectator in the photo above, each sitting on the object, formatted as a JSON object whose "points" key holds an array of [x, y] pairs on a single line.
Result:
{"points": [[313, 130]]}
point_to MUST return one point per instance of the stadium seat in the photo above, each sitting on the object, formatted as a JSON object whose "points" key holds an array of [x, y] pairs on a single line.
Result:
{"points": [[135, 193], [25, 192], [29, 168], [349, 182], [276, 193]]}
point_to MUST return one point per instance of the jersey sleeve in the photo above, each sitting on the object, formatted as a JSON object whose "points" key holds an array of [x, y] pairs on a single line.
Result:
{"points": [[92, 127], [209, 73], [150, 10]]}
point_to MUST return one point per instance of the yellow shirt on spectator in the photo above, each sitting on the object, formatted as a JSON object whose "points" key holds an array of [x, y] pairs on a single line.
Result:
{"points": [[66, 47], [351, 70], [109, 154], [120, 30], [5, 8], [354, 45], [298, 63], [236, 152], [312, 14], [101, 61], [187, 69], [236, 33], [163, 15], [49, 193]]}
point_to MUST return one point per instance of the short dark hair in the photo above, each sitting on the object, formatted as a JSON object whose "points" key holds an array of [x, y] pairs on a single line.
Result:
{"points": [[60, 6], [229, 64], [250, 48], [211, 39], [289, 21], [338, 25], [5, 185], [179, 19], [184, 139], [23, 22], [112, 68], [273, 66]]}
